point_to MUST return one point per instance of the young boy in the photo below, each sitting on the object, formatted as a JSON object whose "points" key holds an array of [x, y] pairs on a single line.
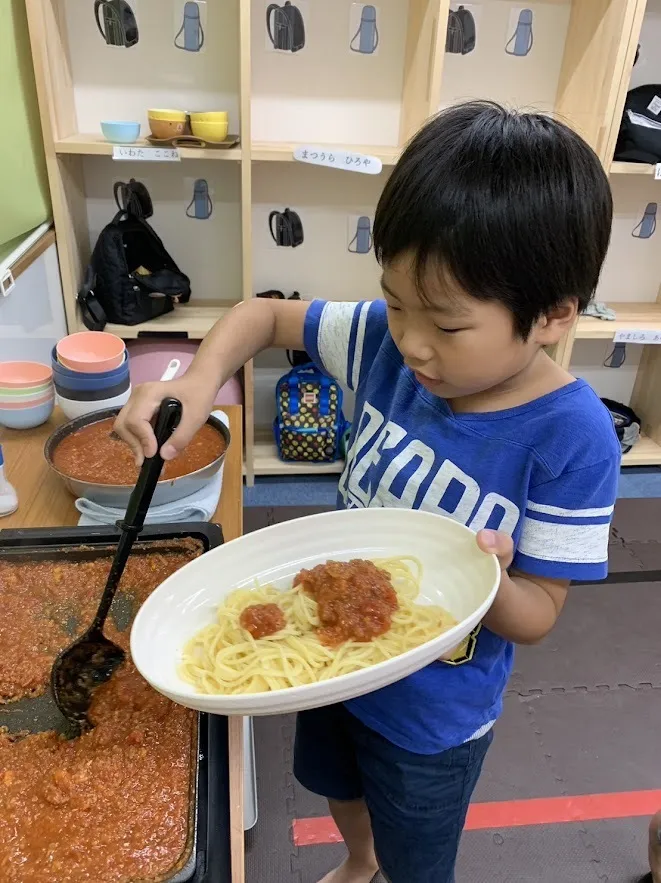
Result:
{"points": [[491, 233]]}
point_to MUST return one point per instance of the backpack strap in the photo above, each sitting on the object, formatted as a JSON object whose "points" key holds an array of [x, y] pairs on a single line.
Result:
{"points": [[294, 397], [92, 312], [324, 395]]}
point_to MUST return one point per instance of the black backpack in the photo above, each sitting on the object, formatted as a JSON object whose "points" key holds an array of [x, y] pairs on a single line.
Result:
{"points": [[460, 35], [286, 29], [131, 277], [286, 228], [639, 139]]}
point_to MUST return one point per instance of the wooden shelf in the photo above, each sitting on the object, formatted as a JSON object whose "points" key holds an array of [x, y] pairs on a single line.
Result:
{"points": [[267, 462], [632, 168], [195, 319], [96, 145], [267, 151], [645, 453], [642, 317]]}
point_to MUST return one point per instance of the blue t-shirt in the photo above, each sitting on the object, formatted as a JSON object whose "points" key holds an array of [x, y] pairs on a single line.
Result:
{"points": [[545, 472]]}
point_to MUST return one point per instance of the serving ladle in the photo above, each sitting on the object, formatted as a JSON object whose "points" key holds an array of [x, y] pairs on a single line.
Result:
{"points": [[91, 660]]}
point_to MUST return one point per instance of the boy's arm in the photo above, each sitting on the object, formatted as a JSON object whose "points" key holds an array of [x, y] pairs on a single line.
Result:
{"points": [[235, 339], [526, 606], [564, 537]]}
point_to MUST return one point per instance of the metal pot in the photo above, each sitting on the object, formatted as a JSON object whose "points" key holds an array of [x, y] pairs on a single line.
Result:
{"points": [[167, 491]]}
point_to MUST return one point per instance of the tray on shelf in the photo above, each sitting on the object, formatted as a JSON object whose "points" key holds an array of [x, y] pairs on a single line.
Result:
{"points": [[194, 142], [207, 855]]}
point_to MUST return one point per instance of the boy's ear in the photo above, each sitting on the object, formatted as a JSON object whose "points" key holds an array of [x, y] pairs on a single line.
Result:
{"points": [[551, 328]]}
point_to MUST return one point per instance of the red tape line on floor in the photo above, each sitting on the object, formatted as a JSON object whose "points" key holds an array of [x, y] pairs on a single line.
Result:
{"points": [[516, 813]]}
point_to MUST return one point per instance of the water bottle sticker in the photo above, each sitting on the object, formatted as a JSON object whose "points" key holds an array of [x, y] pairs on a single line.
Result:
{"points": [[364, 23], [190, 26], [519, 32]]}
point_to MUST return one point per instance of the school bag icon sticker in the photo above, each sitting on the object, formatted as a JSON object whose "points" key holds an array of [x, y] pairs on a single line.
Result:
{"points": [[200, 207], [190, 36], [285, 27], [286, 228], [360, 235], [521, 40], [364, 32], [116, 23], [646, 227], [460, 37]]}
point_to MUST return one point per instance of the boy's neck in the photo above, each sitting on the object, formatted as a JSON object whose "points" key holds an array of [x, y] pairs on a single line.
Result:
{"points": [[540, 377]]}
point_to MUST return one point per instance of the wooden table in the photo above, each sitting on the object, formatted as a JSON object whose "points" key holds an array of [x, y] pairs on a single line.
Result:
{"points": [[43, 501]]}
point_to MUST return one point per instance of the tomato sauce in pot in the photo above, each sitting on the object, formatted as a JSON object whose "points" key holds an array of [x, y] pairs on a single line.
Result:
{"points": [[95, 454]]}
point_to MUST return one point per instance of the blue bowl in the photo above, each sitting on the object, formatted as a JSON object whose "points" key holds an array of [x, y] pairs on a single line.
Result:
{"points": [[120, 132], [26, 418], [92, 395]]}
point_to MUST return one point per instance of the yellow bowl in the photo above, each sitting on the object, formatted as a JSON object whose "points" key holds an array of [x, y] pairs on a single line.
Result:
{"points": [[209, 116], [172, 116], [211, 131]]}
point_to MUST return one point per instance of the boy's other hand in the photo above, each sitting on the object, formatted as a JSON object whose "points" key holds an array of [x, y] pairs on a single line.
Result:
{"points": [[499, 544], [494, 543], [133, 423]]}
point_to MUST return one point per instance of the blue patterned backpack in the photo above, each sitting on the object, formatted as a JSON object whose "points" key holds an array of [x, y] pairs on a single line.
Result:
{"points": [[309, 425]]}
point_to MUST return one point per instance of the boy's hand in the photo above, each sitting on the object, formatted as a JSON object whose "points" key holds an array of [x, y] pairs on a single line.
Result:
{"points": [[526, 606], [133, 423], [499, 544]]}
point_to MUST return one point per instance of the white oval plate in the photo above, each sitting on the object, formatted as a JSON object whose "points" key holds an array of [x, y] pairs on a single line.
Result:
{"points": [[457, 575]]}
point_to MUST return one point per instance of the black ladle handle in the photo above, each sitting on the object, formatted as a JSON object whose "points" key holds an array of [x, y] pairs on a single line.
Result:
{"points": [[167, 420]]}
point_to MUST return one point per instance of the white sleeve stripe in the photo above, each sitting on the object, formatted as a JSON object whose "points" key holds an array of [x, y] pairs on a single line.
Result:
{"points": [[333, 338], [358, 350], [569, 543], [569, 513]]}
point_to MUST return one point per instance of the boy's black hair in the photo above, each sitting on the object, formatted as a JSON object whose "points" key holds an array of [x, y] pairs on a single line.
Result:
{"points": [[516, 206]]}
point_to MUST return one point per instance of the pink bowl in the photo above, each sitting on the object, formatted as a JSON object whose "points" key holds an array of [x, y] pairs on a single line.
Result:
{"points": [[11, 406], [91, 352], [24, 375]]}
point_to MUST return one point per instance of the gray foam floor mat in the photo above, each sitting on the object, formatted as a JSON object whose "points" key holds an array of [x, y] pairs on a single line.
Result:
{"points": [[607, 635], [582, 716]]}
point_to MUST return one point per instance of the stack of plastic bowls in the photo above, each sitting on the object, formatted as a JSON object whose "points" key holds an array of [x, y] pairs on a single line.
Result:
{"points": [[91, 373], [26, 394]]}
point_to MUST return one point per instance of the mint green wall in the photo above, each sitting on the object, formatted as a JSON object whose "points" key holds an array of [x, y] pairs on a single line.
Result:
{"points": [[24, 200]]}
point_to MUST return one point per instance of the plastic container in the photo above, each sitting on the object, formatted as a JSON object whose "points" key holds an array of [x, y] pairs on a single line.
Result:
{"points": [[23, 375], [63, 371], [27, 418], [72, 408], [91, 352], [8, 495], [148, 359], [80, 392], [120, 132]]}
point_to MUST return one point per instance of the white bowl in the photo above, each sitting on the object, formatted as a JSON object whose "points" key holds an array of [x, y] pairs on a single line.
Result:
{"points": [[457, 575], [73, 409]]}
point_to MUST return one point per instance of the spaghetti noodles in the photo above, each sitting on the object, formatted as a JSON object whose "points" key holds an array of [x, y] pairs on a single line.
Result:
{"points": [[225, 658]]}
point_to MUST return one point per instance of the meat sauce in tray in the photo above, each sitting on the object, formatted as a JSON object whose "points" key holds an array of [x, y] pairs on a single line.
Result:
{"points": [[143, 796]]}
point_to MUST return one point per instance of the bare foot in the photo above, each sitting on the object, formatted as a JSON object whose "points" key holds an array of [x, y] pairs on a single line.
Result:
{"points": [[655, 848], [348, 872]]}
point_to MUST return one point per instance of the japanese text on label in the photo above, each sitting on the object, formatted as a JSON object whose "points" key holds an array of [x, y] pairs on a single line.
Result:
{"points": [[339, 159]]}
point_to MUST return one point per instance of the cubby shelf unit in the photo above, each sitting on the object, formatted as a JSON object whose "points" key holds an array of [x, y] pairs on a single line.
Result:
{"points": [[322, 95]]}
